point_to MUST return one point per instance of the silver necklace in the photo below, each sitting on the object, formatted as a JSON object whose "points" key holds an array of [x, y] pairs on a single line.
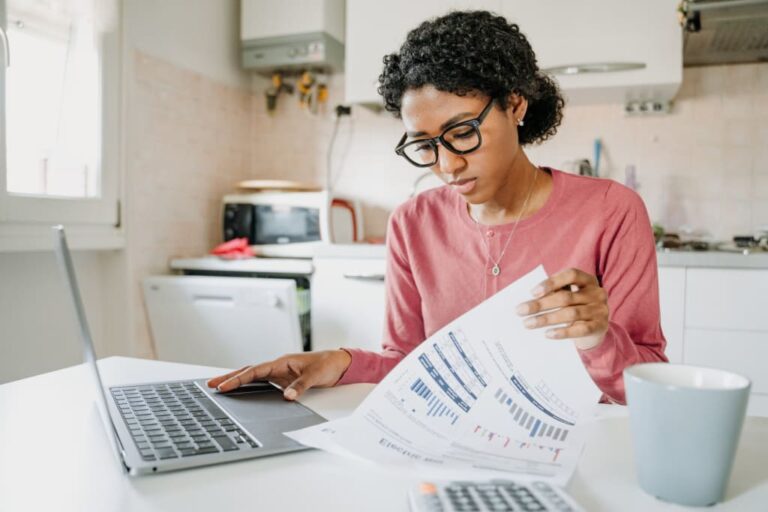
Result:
{"points": [[496, 270]]}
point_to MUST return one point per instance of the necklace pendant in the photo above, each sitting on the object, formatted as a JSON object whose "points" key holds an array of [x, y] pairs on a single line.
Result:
{"points": [[496, 270]]}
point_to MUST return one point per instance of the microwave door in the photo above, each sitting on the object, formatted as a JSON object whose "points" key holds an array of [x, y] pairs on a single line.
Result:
{"points": [[283, 224], [238, 222]]}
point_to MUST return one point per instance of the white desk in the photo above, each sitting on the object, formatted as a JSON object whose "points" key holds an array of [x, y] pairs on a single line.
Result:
{"points": [[54, 456]]}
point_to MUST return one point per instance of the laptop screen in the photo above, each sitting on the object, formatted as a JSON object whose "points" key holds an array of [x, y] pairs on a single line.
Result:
{"points": [[89, 354]]}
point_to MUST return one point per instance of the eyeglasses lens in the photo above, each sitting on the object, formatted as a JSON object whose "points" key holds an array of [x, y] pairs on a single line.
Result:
{"points": [[461, 138]]}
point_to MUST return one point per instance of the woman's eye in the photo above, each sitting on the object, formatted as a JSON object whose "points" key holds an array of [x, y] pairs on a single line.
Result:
{"points": [[423, 147], [464, 135]]}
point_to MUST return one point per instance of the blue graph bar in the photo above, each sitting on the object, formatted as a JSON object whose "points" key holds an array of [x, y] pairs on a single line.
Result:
{"points": [[453, 371], [466, 359], [535, 428], [440, 381], [435, 406]]}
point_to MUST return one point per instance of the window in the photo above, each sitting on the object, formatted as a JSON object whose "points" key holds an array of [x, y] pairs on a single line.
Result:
{"points": [[59, 109]]}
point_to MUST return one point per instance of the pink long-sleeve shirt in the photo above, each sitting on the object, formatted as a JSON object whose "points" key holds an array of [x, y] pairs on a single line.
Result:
{"points": [[438, 269]]}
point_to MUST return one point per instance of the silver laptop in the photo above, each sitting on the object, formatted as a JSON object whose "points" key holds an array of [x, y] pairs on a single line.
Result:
{"points": [[165, 426]]}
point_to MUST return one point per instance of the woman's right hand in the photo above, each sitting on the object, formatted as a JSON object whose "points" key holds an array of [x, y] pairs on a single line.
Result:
{"points": [[295, 373]]}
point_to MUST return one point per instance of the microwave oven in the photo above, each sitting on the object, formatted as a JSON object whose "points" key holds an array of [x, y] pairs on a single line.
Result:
{"points": [[290, 224]]}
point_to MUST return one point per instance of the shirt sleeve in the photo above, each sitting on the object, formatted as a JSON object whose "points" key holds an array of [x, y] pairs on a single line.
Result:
{"points": [[403, 321], [629, 275]]}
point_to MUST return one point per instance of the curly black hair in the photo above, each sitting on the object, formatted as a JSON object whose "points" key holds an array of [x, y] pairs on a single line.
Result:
{"points": [[467, 52]]}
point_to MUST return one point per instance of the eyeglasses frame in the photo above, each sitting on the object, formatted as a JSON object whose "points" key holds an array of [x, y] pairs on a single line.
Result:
{"points": [[474, 123]]}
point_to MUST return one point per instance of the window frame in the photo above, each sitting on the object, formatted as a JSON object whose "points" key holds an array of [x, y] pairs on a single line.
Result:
{"points": [[25, 219]]}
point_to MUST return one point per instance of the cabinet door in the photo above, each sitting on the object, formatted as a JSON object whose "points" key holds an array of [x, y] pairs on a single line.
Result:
{"points": [[603, 31], [727, 299], [672, 303], [375, 29], [348, 303], [742, 352]]}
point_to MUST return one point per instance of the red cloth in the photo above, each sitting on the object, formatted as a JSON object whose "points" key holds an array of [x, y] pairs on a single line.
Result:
{"points": [[236, 248], [436, 259]]}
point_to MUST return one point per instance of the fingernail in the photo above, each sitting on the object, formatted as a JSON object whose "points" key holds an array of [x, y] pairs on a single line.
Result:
{"points": [[538, 291], [290, 394], [551, 334], [523, 309], [531, 322]]}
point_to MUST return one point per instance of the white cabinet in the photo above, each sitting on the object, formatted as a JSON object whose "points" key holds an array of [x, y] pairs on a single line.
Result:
{"points": [[562, 34], [727, 299], [744, 352], [589, 32], [375, 29], [726, 325], [348, 302], [672, 303]]}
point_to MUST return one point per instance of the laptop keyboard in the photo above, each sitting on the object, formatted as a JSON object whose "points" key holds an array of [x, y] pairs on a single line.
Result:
{"points": [[174, 420]]}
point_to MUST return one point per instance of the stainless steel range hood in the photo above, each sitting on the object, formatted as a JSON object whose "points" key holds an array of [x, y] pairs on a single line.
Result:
{"points": [[724, 31]]}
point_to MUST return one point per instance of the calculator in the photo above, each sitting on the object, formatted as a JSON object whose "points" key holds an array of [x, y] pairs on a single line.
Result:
{"points": [[501, 495]]}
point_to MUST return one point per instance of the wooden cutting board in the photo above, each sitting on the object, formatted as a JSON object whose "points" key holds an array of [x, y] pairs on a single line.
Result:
{"points": [[295, 186]]}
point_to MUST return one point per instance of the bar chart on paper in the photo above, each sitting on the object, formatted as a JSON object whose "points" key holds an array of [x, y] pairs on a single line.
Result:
{"points": [[434, 406], [535, 426]]}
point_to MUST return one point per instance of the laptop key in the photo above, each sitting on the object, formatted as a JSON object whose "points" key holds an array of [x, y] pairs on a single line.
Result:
{"points": [[166, 453], [226, 443], [212, 408]]}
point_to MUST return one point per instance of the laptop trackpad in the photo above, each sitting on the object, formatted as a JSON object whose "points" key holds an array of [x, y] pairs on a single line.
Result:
{"points": [[262, 406], [266, 414]]}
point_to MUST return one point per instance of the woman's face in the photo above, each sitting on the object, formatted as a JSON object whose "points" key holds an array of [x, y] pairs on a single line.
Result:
{"points": [[478, 175]]}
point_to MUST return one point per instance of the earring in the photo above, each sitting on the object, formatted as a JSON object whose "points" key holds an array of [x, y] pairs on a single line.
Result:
{"points": [[520, 122]]}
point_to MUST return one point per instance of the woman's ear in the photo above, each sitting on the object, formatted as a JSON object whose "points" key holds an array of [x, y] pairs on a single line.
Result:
{"points": [[518, 106]]}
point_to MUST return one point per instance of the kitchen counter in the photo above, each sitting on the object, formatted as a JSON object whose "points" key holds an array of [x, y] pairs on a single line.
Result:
{"points": [[248, 265], [351, 251], [712, 259], [666, 258]]}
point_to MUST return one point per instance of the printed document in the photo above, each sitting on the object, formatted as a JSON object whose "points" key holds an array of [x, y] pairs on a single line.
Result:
{"points": [[482, 396]]}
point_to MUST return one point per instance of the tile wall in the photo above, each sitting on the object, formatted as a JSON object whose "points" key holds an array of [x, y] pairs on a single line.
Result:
{"points": [[188, 140], [704, 167]]}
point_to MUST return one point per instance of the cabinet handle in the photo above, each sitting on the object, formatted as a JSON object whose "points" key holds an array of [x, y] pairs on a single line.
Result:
{"points": [[365, 277]]}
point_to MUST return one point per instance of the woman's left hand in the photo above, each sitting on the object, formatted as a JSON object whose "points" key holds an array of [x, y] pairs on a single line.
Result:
{"points": [[573, 300]]}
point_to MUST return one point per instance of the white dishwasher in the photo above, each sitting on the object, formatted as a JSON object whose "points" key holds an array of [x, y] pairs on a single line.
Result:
{"points": [[226, 313]]}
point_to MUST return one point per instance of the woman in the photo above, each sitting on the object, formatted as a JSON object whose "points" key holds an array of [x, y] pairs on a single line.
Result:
{"points": [[470, 94]]}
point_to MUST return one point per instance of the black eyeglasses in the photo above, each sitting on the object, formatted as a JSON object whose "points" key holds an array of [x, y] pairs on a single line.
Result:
{"points": [[460, 139]]}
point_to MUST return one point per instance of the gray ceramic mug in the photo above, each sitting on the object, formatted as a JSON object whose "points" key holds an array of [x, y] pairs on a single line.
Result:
{"points": [[685, 423]]}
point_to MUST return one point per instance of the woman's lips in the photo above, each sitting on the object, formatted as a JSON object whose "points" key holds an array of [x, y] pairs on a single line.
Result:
{"points": [[464, 186]]}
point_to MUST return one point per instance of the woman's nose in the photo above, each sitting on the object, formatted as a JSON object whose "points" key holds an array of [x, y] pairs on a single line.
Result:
{"points": [[449, 162]]}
